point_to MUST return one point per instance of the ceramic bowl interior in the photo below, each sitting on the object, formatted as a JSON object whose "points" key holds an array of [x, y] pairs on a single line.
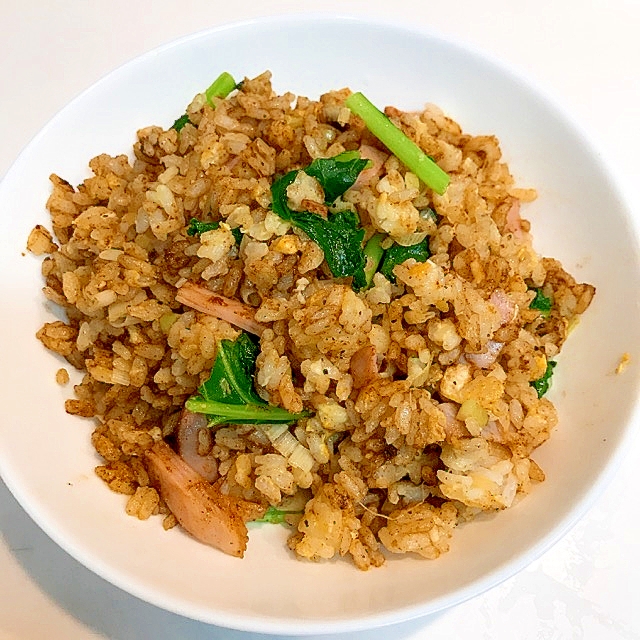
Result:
{"points": [[45, 455]]}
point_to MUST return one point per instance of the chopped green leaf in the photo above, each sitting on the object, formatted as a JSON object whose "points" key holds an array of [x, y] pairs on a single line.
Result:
{"points": [[197, 227], [397, 254], [541, 302], [339, 236], [167, 320], [337, 174], [231, 378], [273, 515], [542, 384], [180, 122], [228, 396], [398, 143], [429, 214]]}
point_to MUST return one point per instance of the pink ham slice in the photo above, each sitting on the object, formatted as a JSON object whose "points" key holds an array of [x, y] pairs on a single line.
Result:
{"points": [[200, 507], [233, 311]]}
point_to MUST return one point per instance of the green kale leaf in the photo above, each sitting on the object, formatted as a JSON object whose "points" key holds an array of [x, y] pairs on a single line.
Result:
{"points": [[180, 122], [541, 302], [339, 236], [197, 227], [228, 396], [542, 384], [396, 254], [337, 174]]}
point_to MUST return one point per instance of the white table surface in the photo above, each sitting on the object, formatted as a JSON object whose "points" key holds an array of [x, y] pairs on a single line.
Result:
{"points": [[584, 52]]}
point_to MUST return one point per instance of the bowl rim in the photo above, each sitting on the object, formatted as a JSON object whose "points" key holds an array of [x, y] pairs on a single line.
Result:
{"points": [[502, 572]]}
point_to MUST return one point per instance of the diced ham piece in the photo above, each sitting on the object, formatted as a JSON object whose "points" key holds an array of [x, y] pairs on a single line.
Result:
{"points": [[492, 432], [505, 306], [200, 507], [188, 444], [233, 311], [514, 221], [377, 158], [364, 366], [454, 428], [485, 359]]}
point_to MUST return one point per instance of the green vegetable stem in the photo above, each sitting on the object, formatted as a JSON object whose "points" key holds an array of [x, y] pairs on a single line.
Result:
{"points": [[221, 87], [373, 253], [273, 515], [398, 143], [228, 396]]}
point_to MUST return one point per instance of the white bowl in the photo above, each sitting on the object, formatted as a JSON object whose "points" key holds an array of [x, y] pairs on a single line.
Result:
{"points": [[45, 455]]}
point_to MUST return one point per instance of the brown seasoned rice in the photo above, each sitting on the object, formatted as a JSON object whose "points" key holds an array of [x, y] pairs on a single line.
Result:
{"points": [[444, 428]]}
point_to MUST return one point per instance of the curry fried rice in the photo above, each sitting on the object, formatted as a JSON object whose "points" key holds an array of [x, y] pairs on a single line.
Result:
{"points": [[419, 397]]}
